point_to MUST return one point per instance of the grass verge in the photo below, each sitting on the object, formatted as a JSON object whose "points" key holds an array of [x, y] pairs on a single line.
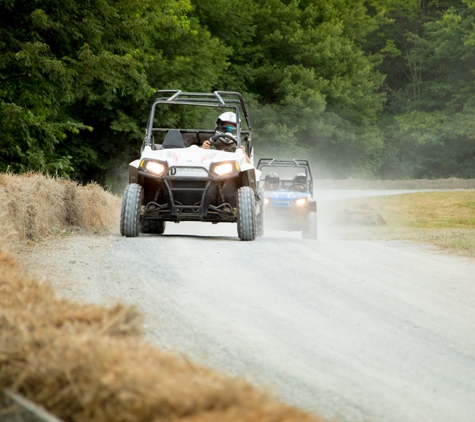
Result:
{"points": [[445, 219]]}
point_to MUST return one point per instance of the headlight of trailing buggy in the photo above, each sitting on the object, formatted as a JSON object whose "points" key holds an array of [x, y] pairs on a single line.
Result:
{"points": [[154, 167], [301, 201], [225, 169]]}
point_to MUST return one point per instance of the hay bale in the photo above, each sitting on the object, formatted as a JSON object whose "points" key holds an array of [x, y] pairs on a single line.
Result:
{"points": [[34, 206], [97, 208], [361, 215]]}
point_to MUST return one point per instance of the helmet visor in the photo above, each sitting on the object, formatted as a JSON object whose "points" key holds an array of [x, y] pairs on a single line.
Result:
{"points": [[227, 128]]}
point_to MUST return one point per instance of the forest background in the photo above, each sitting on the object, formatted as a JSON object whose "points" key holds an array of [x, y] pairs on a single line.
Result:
{"points": [[376, 89]]}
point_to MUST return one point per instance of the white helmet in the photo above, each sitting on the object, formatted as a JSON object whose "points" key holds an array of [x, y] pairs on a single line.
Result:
{"points": [[300, 179], [229, 116], [272, 181], [222, 128]]}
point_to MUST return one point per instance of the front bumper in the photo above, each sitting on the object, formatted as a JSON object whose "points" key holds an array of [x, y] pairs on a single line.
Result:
{"points": [[284, 214], [286, 217], [190, 199]]}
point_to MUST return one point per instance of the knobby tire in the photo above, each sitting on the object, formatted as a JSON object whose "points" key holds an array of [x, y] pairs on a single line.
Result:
{"points": [[130, 212], [311, 232], [246, 213]]}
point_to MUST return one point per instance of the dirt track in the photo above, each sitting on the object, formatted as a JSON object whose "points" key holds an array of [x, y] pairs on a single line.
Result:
{"points": [[379, 331]]}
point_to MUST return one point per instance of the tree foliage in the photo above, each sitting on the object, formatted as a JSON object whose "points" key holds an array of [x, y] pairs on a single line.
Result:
{"points": [[429, 62], [315, 90], [377, 88], [76, 77]]}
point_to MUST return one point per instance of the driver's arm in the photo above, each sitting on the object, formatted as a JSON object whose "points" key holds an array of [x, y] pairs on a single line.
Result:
{"points": [[206, 145]]}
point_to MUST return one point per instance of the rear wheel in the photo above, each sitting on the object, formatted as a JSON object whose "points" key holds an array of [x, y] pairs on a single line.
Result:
{"points": [[246, 213], [153, 226], [130, 212], [311, 231]]}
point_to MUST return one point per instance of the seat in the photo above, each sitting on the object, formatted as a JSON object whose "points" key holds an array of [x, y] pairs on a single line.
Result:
{"points": [[173, 139]]}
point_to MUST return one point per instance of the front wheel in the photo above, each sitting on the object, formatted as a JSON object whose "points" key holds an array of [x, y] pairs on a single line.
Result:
{"points": [[311, 231], [246, 213], [130, 212]]}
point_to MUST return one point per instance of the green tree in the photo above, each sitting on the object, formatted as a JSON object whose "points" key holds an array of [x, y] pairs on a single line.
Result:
{"points": [[429, 60], [76, 78], [315, 78], [232, 23], [312, 87], [183, 60], [52, 55]]}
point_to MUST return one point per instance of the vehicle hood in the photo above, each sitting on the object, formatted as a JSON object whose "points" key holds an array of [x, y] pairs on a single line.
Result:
{"points": [[285, 194], [194, 156]]}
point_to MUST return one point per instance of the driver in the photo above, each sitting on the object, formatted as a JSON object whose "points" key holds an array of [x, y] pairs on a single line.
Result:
{"points": [[226, 124], [299, 183], [271, 181]]}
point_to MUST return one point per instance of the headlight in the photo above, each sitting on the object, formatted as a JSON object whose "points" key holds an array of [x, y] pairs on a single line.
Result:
{"points": [[266, 201], [301, 201], [153, 167], [225, 169]]}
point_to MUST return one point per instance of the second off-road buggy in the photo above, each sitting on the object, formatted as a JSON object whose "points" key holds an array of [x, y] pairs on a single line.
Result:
{"points": [[288, 196], [176, 180]]}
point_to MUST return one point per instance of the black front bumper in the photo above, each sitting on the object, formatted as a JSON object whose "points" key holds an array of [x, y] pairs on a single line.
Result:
{"points": [[185, 199]]}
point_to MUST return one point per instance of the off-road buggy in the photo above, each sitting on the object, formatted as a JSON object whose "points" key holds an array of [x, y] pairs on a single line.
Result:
{"points": [[176, 180], [288, 196]]}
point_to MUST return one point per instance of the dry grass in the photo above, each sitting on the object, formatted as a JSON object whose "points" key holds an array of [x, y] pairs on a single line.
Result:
{"points": [[33, 206], [445, 219], [88, 363]]}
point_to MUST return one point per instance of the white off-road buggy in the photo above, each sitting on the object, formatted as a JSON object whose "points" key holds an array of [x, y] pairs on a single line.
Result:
{"points": [[176, 180]]}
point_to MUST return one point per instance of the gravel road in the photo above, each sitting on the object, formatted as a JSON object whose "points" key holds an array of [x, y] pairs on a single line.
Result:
{"points": [[355, 330]]}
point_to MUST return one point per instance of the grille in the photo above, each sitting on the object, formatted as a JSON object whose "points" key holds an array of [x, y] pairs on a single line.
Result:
{"points": [[186, 184], [285, 203]]}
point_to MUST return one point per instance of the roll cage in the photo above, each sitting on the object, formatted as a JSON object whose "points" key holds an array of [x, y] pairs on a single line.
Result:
{"points": [[219, 99], [294, 163]]}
